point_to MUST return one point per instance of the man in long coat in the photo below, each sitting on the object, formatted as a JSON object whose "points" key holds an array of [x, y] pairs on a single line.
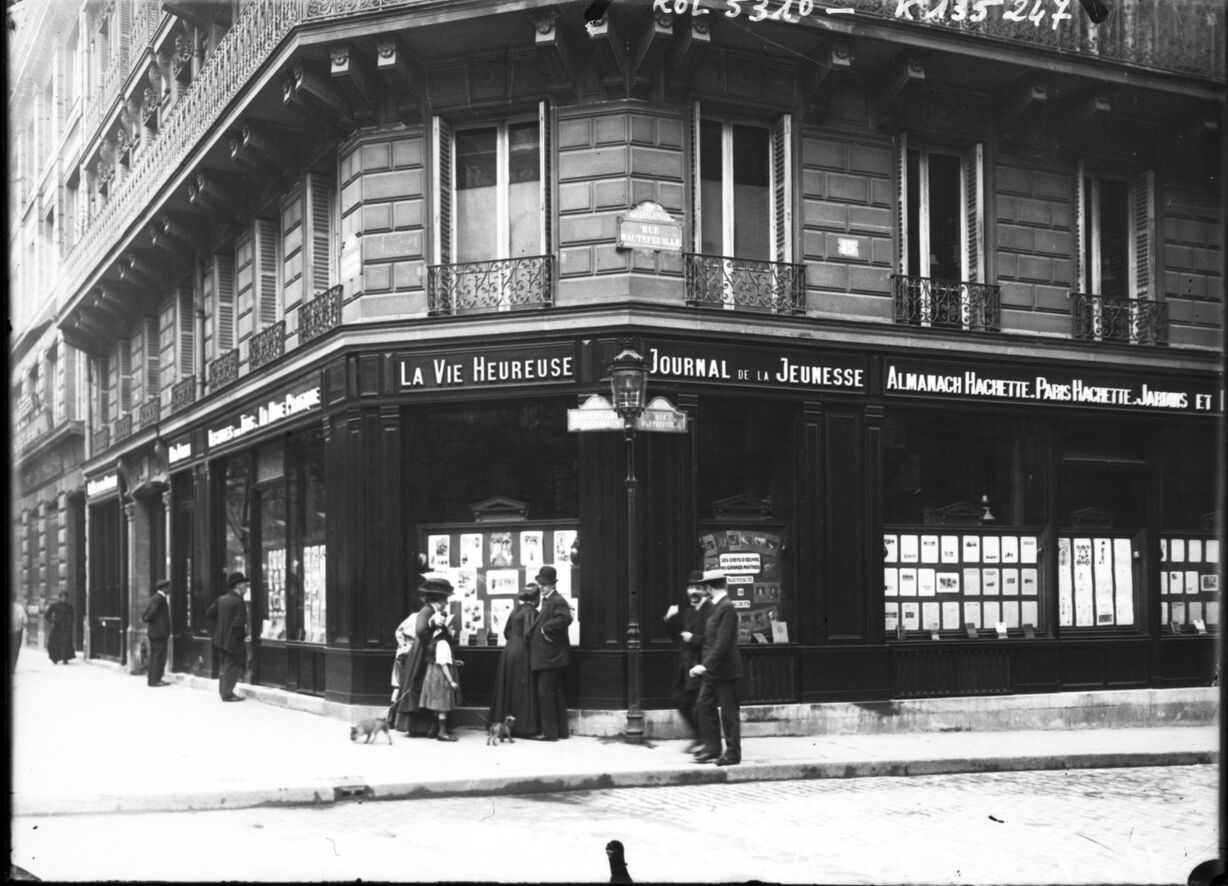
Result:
{"points": [[158, 616], [720, 667], [686, 627], [229, 616], [549, 654]]}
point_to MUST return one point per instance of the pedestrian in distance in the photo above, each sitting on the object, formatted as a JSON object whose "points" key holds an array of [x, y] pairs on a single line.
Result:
{"points": [[228, 614], [686, 627], [549, 654], [60, 618], [440, 688], [17, 630], [157, 616], [719, 668], [515, 694], [406, 714]]}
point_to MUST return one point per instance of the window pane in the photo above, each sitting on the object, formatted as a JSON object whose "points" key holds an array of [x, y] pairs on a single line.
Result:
{"points": [[523, 162], [1114, 239], [710, 172], [945, 214], [236, 500], [751, 194], [914, 214], [476, 177]]}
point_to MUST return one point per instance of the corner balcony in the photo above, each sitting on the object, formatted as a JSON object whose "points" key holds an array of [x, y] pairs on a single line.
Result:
{"points": [[1134, 321], [740, 284], [505, 284], [946, 304]]}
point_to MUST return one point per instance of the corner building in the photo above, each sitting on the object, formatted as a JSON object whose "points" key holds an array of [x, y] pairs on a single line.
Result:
{"points": [[942, 301]]}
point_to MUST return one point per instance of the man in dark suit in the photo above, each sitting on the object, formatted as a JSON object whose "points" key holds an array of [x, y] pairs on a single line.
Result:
{"points": [[158, 616], [686, 627], [549, 653], [720, 667], [229, 616]]}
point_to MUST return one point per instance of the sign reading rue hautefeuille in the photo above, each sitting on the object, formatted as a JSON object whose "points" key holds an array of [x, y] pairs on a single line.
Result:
{"points": [[648, 226], [922, 378]]}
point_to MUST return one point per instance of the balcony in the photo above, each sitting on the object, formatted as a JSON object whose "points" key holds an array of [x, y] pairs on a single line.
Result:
{"points": [[320, 315], [717, 281], [267, 345], [183, 393], [488, 286], [1127, 320], [149, 413], [224, 370], [32, 428], [946, 304], [101, 440], [123, 428]]}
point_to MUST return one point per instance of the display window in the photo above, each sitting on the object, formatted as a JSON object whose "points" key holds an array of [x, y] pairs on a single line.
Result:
{"points": [[750, 556], [1189, 582], [236, 479]]}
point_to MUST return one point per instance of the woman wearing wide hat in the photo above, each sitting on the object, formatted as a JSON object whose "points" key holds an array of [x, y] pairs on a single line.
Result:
{"points": [[413, 639], [515, 695]]}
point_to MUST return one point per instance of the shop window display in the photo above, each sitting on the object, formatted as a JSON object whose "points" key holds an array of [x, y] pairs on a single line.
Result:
{"points": [[236, 499]]}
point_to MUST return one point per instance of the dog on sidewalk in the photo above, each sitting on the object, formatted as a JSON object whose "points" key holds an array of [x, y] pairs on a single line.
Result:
{"points": [[370, 729], [500, 731]]}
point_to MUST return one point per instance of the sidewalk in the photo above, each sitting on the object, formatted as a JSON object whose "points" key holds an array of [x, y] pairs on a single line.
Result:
{"points": [[88, 738]]}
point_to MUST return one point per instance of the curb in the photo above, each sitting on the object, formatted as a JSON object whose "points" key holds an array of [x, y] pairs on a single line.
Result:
{"points": [[332, 791]]}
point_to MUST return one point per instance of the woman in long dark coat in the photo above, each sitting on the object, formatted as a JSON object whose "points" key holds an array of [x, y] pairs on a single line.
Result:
{"points": [[408, 715], [514, 693], [59, 637]]}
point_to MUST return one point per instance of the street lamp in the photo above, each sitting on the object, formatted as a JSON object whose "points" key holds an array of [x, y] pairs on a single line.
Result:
{"points": [[628, 387]]}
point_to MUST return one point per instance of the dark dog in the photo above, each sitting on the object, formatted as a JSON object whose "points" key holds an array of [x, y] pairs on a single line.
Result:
{"points": [[370, 729], [497, 732]]}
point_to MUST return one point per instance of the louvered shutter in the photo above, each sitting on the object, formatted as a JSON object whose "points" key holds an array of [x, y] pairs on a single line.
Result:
{"points": [[318, 208], [1082, 283], [123, 11], [547, 204], [1142, 235], [901, 203], [267, 301], [224, 303], [153, 359], [123, 382], [186, 351], [782, 189], [441, 162], [973, 186], [167, 339], [697, 235]]}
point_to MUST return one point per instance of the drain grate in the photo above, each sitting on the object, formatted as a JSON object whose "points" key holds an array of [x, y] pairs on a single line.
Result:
{"points": [[351, 792]]}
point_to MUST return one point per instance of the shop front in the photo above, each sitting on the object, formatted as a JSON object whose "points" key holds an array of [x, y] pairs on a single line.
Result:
{"points": [[107, 601]]}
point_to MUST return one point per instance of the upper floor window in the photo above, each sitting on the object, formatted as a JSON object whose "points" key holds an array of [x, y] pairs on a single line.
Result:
{"points": [[940, 212], [741, 188], [257, 301], [1116, 224], [309, 232]]}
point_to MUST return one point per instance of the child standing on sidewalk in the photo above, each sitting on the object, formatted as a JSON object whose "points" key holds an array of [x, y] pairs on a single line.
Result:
{"points": [[440, 689]]}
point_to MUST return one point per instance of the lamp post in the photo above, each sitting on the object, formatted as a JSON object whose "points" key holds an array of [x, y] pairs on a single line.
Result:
{"points": [[628, 385]]}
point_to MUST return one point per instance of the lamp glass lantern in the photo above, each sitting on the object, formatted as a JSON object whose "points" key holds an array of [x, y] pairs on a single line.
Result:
{"points": [[628, 382]]}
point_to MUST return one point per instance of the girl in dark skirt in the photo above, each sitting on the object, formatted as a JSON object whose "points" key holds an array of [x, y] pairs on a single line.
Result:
{"points": [[440, 689]]}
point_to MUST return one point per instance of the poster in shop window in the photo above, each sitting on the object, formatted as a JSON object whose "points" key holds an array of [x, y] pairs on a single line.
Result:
{"points": [[750, 559]]}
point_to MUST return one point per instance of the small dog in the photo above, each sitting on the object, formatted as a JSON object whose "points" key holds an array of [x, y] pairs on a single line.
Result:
{"points": [[370, 729], [497, 732]]}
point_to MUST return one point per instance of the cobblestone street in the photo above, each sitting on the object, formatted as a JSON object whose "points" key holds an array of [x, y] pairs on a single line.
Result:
{"points": [[1145, 825]]}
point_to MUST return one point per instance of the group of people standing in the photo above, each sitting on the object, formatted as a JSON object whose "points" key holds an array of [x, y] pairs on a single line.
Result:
{"points": [[528, 678]]}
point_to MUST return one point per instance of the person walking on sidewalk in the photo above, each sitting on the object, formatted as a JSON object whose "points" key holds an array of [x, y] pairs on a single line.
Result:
{"points": [[515, 695], [229, 616], [60, 617], [687, 630], [17, 630], [158, 616], [549, 654], [720, 667]]}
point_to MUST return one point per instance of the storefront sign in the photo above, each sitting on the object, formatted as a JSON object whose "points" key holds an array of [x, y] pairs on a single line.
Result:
{"points": [[934, 379], [803, 370], [280, 408], [743, 564], [649, 226], [486, 368], [102, 485], [179, 451]]}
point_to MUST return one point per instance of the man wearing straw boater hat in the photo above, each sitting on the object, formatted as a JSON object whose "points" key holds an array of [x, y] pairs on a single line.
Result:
{"points": [[719, 668]]}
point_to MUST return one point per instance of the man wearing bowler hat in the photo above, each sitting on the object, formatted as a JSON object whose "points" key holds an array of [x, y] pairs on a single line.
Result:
{"points": [[719, 668], [549, 653], [229, 616], [158, 616]]}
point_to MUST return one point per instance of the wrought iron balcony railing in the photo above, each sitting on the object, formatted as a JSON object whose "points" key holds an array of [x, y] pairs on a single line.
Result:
{"points": [[1128, 320], [946, 304], [149, 412], [183, 393], [504, 284], [32, 428], [267, 345], [718, 281], [123, 427], [101, 440], [224, 370], [321, 314]]}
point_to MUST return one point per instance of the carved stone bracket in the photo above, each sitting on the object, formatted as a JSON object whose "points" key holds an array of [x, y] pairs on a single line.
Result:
{"points": [[403, 77], [305, 91], [892, 96], [352, 74]]}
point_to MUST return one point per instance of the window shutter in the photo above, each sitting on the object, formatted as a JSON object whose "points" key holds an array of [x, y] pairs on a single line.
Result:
{"points": [[1082, 284], [441, 161], [123, 380], [696, 190], [1142, 235], [973, 186], [153, 358], [124, 12], [319, 209], [224, 303], [547, 205], [267, 302], [782, 189], [187, 333], [168, 340], [901, 203]]}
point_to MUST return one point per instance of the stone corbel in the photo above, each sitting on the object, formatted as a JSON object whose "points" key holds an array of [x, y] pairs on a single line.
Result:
{"points": [[610, 53], [310, 94], [649, 51], [555, 51], [819, 79], [353, 75], [140, 273], [253, 149], [216, 191], [403, 78], [891, 97], [695, 35], [1020, 104]]}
